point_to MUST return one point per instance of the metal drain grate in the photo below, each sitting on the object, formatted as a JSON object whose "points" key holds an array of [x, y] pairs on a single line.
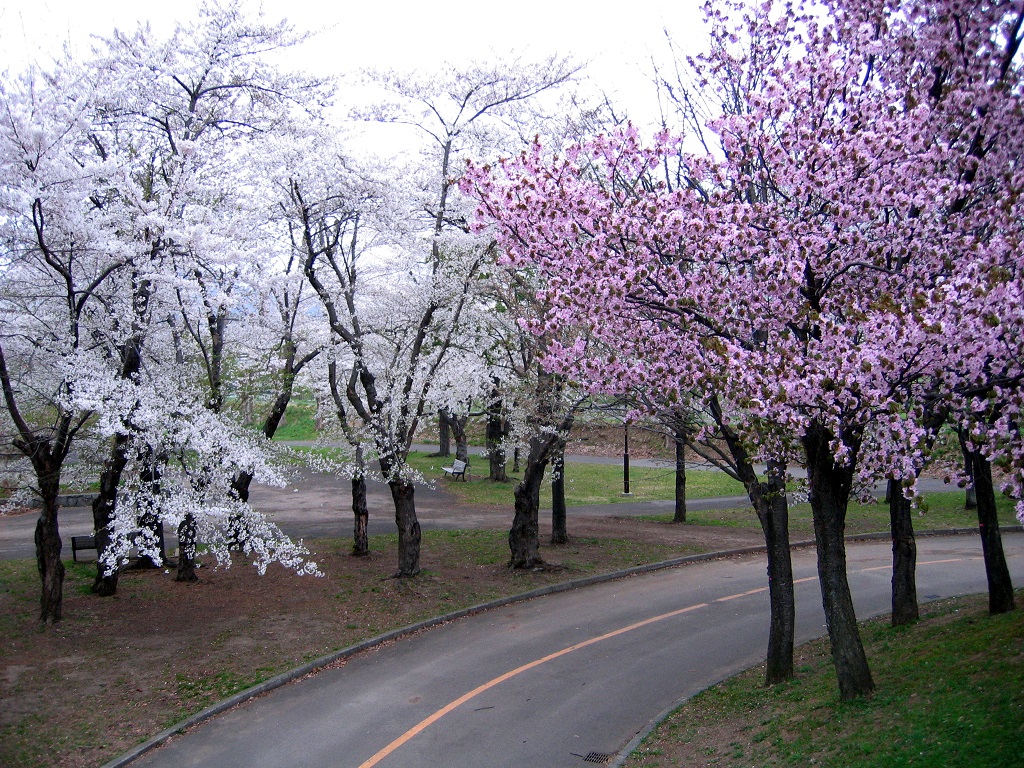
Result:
{"points": [[598, 757]]}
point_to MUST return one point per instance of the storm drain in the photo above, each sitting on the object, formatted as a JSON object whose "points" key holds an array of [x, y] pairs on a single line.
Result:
{"points": [[598, 757]]}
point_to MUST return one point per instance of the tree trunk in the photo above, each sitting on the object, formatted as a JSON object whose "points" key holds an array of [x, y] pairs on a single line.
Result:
{"points": [[1000, 587], [403, 493], [443, 435], [240, 485], [241, 482], [680, 510], [103, 507], [458, 427], [48, 547], [495, 434], [147, 562], [361, 516], [829, 492], [559, 532], [971, 495], [524, 537], [149, 519], [772, 508], [515, 459], [187, 550], [904, 557]]}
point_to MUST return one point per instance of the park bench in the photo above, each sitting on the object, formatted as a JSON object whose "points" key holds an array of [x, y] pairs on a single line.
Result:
{"points": [[457, 469], [81, 542], [85, 542]]}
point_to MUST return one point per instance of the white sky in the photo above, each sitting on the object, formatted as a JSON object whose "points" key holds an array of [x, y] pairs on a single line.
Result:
{"points": [[618, 39]]}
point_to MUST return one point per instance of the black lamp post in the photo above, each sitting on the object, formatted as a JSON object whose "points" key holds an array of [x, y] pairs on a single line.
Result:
{"points": [[625, 461]]}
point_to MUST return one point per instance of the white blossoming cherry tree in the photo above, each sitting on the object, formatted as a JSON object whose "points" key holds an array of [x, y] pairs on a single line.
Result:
{"points": [[397, 310]]}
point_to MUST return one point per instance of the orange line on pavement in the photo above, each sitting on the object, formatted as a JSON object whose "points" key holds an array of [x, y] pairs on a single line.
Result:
{"points": [[428, 721]]}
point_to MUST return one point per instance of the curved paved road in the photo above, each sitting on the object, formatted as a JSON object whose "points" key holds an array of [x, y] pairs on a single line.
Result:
{"points": [[553, 681]]}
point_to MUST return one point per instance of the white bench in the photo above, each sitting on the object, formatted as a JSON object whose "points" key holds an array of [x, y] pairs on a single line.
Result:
{"points": [[457, 469]]}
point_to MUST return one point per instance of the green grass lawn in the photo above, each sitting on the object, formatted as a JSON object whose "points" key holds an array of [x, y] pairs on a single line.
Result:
{"points": [[584, 483], [602, 484], [299, 422], [950, 693], [944, 510]]}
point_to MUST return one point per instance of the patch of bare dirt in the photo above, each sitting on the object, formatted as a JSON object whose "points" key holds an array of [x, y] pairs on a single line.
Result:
{"points": [[610, 441], [703, 538]]}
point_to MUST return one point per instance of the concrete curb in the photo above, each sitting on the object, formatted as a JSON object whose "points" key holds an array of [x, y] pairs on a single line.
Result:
{"points": [[325, 661]]}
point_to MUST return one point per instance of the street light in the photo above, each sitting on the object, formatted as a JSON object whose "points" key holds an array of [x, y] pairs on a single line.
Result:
{"points": [[625, 461]]}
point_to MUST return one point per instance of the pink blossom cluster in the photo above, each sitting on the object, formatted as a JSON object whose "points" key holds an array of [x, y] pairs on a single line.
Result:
{"points": [[850, 257]]}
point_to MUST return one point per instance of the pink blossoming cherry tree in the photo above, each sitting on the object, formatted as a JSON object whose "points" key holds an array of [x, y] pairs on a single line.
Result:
{"points": [[847, 264]]}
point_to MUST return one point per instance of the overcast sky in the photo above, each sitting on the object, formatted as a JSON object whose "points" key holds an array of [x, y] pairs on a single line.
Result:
{"points": [[618, 39]]}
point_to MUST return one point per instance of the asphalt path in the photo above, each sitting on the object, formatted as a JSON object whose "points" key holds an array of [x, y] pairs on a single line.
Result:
{"points": [[564, 680]]}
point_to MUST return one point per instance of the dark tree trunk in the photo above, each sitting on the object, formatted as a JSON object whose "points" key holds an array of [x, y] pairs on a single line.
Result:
{"points": [[443, 435], [495, 434], [187, 550], [829, 492], [515, 460], [458, 428], [524, 537], [240, 486], [904, 557], [241, 482], [559, 532], [403, 493], [680, 509], [103, 507], [147, 562], [772, 508], [361, 517], [971, 495], [1000, 587], [48, 547], [149, 520]]}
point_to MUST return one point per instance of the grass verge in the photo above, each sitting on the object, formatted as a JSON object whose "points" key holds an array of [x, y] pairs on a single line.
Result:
{"points": [[299, 422], [944, 510], [584, 483], [951, 693]]}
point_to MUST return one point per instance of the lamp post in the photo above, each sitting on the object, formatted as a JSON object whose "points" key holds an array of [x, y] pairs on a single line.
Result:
{"points": [[625, 461]]}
